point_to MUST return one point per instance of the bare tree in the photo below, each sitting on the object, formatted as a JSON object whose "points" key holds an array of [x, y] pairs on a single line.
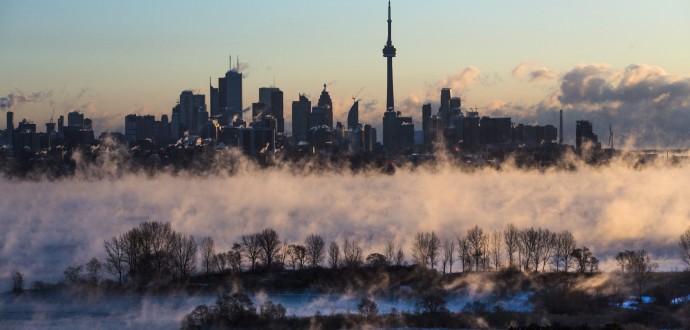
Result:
{"points": [[510, 238], [17, 282], [434, 249], [448, 254], [208, 251], [269, 243], [544, 249], [641, 267], [624, 260], [389, 252], [420, 249], [316, 250], [184, 255], [684, 244], [476, 241], [296, 254], [115, 259], [400, 257], [583, 259], [464, 254], [495, 248], [94, 271], [334, 255], [352, 254], [235, 257], [73, 274], [564, 245], [251, 248], [426, 249]]}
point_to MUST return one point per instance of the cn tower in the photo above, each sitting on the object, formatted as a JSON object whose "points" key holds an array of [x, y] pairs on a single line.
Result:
{"points": [[389, 53]]}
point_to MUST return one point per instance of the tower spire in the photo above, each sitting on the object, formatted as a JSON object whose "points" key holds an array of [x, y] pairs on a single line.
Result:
{"points": [[389, 53], [389, 23]]}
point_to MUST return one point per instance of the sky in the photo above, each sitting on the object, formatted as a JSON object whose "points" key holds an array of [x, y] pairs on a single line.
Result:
{"points": [[614, 62]]}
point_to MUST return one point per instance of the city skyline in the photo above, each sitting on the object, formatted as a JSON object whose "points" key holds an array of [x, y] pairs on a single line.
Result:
{"points": [[508, 63]]}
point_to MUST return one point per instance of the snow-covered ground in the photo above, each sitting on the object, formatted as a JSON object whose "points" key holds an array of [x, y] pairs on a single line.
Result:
{"points": [[633, 302], [681, 300]]}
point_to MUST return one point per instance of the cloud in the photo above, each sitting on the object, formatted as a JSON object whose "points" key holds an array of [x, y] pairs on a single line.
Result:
{"points": [[17, 98], [533, 73], [646, 106]]}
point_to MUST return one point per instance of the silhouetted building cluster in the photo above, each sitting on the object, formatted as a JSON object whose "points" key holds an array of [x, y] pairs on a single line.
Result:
{"points": [[584, 134], [313, 130], [25, 136]]}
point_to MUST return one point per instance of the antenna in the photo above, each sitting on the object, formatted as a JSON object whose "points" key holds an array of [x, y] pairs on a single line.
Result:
{"points": [[53, 115], [610, 137], [230, 62], [237, 67]]}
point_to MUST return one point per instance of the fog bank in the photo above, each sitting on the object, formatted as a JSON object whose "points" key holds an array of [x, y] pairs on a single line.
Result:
{"points": [[46, 226]]}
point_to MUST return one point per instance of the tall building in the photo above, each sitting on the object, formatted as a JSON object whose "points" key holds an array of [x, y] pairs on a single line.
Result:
{"points": [[10, 127], [426, 116], [327, 105], [300, 118], [272, 98], [233, 92], [75, 119], [214, 95], [187, 114], [353, 116], [227, 98]]}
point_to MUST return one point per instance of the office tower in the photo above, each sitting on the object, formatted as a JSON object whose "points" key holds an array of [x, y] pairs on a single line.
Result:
{"points": [[188, 117], [300, 118], [327, 105], [10, 127], [229, 95], [353, 116], [272, 98], [444, 109], [75, 119], [61, 126], [214, 95], [426, 116], [233, 92]]}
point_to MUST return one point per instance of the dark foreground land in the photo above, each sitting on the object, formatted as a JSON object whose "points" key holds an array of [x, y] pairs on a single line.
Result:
{"points": [[435, 300]]}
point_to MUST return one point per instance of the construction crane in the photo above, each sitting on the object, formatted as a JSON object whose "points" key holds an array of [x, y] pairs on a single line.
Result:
{"points": [[354, 98]]}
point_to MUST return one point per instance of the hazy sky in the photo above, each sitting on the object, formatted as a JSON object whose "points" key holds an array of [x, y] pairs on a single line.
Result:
{"points": [[110, 58]]}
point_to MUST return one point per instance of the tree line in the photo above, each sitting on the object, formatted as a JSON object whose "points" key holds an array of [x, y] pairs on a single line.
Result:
{"points": [[153, 251]]}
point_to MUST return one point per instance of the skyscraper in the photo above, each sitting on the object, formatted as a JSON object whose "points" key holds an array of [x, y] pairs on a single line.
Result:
{"points": [[353, 116], [272, 98], [227, 98], [327, 105], [10, 127], [233, 92], [300, 118]]}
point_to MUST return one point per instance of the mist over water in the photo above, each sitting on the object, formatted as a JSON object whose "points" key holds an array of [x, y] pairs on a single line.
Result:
{"points": [[49, 225]]}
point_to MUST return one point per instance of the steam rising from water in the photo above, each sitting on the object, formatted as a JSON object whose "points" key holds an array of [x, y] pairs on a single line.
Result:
{"points": [[46, 226]]}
